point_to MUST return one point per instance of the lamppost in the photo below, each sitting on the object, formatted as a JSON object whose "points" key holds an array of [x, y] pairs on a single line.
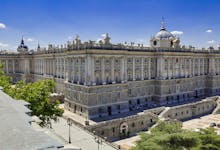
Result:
{"points": [[69, 123], [98, 139]]}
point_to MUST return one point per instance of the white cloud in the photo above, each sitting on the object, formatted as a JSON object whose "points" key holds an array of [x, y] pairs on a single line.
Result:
{"points": [[209, 31], [3, 45], [103, 35], [177, 32], [2, 26], [30, 40], [211, 42]]}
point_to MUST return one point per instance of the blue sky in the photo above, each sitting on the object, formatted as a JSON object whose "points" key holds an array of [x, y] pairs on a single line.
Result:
{"points": [[54, 21]]}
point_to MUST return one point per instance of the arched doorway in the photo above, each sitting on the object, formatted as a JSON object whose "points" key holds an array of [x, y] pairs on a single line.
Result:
{"points": [[123, 129]]}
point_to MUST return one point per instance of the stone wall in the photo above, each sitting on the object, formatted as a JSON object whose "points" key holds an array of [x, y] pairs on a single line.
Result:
{"points": [[123, 127], [192, 110]]}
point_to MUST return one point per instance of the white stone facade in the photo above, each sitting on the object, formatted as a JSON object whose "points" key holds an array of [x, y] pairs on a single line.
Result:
{"points": [[100, 82], [104, 79]]}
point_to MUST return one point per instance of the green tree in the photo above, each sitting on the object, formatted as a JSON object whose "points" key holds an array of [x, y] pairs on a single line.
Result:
{"points": [[170, 136], [37, 94], [4, 80]]}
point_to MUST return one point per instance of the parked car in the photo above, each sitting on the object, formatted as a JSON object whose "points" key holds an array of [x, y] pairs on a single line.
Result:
{"points": [[218, 125]]}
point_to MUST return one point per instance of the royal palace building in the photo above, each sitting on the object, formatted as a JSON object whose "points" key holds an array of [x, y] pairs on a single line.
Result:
{"points": [[104, 79]]}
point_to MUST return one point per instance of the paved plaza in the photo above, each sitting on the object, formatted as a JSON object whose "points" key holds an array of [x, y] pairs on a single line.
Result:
{"points": [[202, 122]]}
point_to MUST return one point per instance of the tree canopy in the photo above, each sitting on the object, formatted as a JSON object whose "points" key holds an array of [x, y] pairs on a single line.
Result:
{"points": [[169, 135], [36, 93]]}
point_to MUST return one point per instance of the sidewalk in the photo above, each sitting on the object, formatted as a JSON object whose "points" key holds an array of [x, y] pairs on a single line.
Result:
{"points": [[79, 137]]}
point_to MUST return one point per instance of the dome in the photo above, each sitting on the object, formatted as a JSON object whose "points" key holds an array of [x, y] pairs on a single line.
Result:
{"points": [[163, 34]]}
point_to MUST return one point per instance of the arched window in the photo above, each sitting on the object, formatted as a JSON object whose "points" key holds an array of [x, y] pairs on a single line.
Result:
{"points": [[155, 43]]}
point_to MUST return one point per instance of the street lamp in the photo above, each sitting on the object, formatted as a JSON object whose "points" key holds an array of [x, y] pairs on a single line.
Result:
{"points": [[98, 139], [69, 123]]}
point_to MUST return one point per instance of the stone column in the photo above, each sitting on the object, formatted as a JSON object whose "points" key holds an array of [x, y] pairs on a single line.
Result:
{"points": [[180, 67], [59, 68], [149, 68], [122, 68], [44, 67], [45, 64], [40, 67], [103, 70], [211, 66], [113, 70], [72, 66], [36, 67], [142, 68], [39, 62], [89, 70], [168, 68], [159, 68], [199, 66], [93, 70], [125, 69], [79, 71], [173, 68], [6, 66], [185, 70], [13, 66], [86, 74], [54, 67], [190, 68], [49, 66], [63, 68], [69, 69], [66, 69], [203, 66], [134, 78], [193, 67]]}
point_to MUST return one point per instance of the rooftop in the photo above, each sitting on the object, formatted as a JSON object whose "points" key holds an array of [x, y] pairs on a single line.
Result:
{"points": [[16, 131]]}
